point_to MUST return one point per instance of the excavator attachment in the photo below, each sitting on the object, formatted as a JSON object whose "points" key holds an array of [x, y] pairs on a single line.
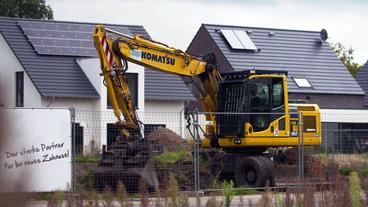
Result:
{"points": [[127, 161]]}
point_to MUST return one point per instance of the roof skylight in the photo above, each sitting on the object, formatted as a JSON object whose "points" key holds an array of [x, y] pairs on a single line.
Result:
{"points": [[302, 83]]}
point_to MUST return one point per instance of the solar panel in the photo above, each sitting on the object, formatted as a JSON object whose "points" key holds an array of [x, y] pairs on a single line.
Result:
{"points": [[245, 40], [238, 39], [123, 30], [232, 39], [67, 39]]}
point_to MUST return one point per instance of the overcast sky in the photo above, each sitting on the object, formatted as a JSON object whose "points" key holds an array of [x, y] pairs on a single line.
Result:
{"points": [[175, 22]]}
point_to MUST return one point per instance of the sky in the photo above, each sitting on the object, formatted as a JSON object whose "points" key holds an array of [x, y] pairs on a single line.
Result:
{"points": [[175, 22]]}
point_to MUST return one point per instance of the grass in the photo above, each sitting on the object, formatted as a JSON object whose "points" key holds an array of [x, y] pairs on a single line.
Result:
{"points": [[87, 159], [355, 189], [240, 191], [343, 193], [347, 163], [228, 192], [346, 171], [365, 171], [167, 158], [56, 199], [349, 180], [359, 167], [364, 156]]}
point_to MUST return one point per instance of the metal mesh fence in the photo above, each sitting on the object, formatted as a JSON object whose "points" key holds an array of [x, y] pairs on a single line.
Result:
{"points": [[171, 148], [345, 138], [106, 159]]}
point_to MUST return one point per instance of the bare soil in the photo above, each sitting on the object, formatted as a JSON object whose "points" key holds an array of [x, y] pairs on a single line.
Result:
{"points": [[165, 139]]}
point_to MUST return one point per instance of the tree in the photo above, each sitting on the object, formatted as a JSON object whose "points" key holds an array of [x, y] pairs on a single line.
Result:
{"points": [[35, 9], [347, 57]]}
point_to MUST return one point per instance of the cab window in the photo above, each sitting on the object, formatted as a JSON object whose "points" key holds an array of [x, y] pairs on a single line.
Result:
{"points": [[277, 92], [260, 102], [260, 94], [267, 96]]}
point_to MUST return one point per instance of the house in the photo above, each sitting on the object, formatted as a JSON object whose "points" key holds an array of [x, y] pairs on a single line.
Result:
{"points": [[362, 79], [315, 74], [54, 64]]}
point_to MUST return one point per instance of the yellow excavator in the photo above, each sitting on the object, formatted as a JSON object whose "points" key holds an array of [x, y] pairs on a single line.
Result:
{"points": [[247, 112]]}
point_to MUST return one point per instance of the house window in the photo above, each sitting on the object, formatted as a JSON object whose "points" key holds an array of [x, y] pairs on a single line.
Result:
{"points": [[133, 86], [78, 138], [19, 89], [302, 83]]}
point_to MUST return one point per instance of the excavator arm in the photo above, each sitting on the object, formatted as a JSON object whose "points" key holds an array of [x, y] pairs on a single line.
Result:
{"points": [[115, 52], [115, 80]]}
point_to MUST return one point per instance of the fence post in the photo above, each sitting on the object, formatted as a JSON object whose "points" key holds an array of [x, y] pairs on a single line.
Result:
{"points": [[181, 123], [326, 142], [196, 151], [301, 148], [72, 118]]}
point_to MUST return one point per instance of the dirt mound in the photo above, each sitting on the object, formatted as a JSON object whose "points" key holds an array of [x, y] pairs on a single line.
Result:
{"points": [[165, 139]]}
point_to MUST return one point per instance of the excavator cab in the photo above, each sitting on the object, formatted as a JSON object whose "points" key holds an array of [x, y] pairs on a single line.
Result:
{"points": [[249, 97], [254, 113]]}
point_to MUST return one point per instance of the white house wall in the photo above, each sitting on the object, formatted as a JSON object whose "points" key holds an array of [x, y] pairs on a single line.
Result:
{"points": [[85, 110], [94, 123], [168, 113], [164, 106], [9, 65], [78, 104], [344, 116], [91, 67]]}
